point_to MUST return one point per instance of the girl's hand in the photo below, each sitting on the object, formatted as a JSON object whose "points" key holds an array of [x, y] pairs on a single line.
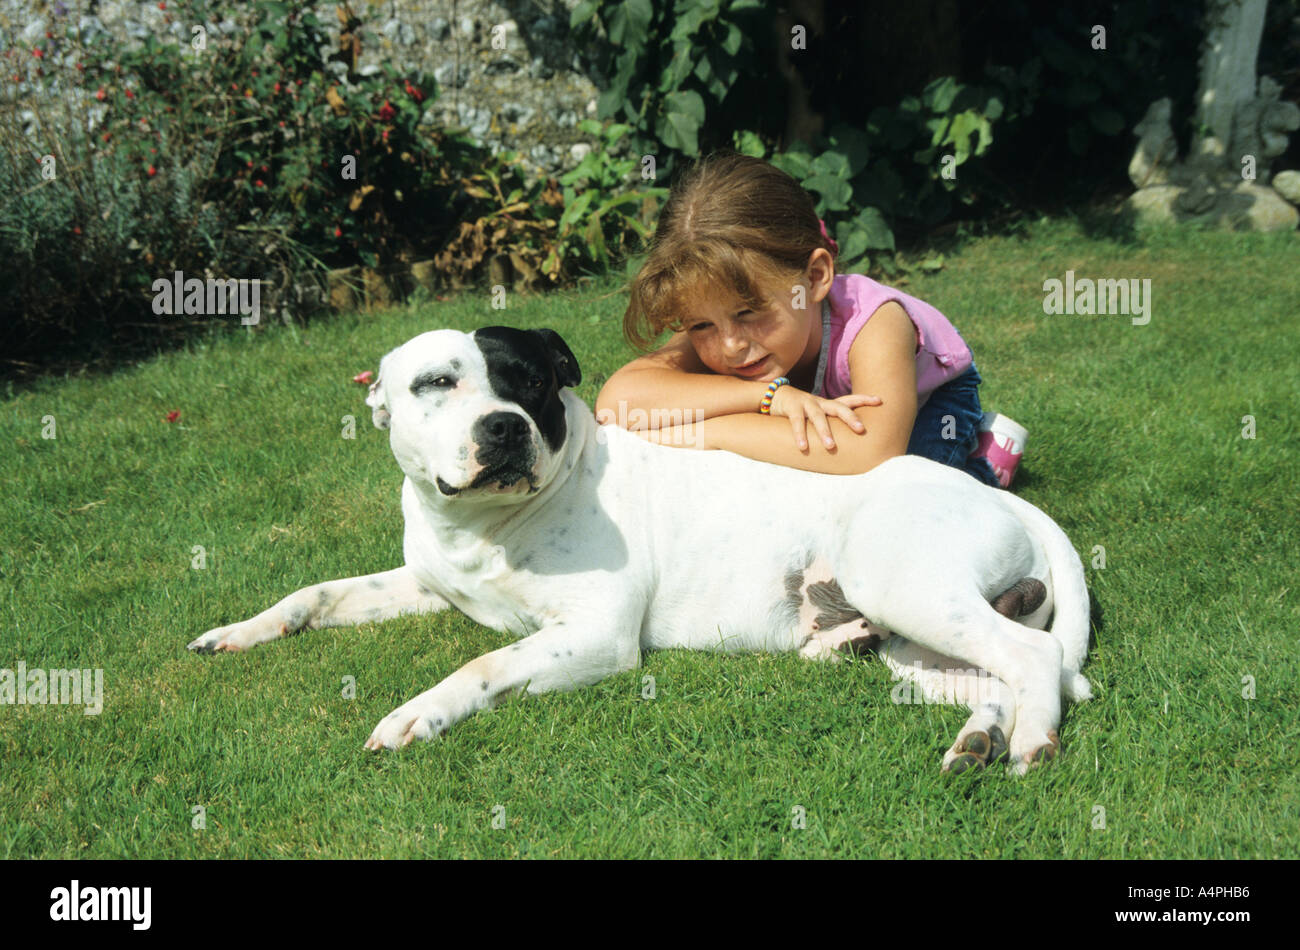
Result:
{"points": [[801, 408]]}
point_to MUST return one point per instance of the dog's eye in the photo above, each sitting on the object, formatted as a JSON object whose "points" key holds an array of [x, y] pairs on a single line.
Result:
{"points": [[536, 382], [431, 381]]}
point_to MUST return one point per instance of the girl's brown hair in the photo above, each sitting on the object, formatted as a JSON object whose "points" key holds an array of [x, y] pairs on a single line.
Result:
{"points": [[731, 223]]}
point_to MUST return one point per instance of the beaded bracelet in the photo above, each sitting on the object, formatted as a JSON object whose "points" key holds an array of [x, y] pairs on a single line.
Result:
{"points": [[765, 406]]}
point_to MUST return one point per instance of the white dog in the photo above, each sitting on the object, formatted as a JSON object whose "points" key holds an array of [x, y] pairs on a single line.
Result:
{"points": [[591, 545]]}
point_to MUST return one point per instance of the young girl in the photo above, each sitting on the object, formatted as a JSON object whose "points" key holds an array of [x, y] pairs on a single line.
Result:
{"points": [[768, 340]]}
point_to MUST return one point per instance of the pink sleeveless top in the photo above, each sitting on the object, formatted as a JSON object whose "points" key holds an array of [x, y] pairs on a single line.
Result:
{"points": [[941, 353]]}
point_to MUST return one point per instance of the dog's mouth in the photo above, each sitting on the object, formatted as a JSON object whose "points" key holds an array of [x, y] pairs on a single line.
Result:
{"points": [[505, 477]]}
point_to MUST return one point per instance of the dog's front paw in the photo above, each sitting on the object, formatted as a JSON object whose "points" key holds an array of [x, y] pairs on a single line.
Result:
{"points": [[418, 719], [238, 636]]}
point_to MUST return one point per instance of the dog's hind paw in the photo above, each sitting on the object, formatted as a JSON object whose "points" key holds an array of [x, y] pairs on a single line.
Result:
{"points": [[1038, 755], [975, 749]]}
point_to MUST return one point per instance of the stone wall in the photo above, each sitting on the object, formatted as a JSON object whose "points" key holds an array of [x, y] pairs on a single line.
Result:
{"points": [[528, 96]]}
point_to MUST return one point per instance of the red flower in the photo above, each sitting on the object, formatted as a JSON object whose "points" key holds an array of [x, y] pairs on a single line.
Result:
{"points": [[152, 171], [38, 52], [173, 415], [258, 182], [338, 232], [130, 94], [276, 87], [76, 229], [365, 379], [99, 93], [386, 112]]}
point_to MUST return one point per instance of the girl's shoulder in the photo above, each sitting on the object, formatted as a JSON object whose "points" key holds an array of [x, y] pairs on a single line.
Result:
{"points": [[853, 298]]}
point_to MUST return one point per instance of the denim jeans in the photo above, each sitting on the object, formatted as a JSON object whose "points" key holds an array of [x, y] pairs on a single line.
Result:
{"points": [[947, 427]]}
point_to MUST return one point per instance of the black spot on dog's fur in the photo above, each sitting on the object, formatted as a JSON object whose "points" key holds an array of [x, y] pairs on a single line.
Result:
{"points": [[832, 609]]}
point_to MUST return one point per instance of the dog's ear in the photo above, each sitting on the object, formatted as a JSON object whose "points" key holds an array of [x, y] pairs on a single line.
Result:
{"points": [[562, 358], [378, 402]]}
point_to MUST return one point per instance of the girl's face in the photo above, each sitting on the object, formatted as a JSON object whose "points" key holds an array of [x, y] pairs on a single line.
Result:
{"points": [[733, 340]]}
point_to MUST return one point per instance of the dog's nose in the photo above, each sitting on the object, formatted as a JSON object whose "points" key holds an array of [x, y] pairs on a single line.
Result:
{"points": [[502, 429]]}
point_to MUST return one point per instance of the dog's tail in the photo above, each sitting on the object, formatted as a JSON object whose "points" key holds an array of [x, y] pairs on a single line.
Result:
{"points": [[1071, 611]]}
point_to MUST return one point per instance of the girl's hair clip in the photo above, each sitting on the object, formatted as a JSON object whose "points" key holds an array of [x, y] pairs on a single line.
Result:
{"points": [[835, 248]]}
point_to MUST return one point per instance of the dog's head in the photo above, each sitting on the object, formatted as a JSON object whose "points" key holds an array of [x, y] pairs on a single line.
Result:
{"points": [[476, 414]]}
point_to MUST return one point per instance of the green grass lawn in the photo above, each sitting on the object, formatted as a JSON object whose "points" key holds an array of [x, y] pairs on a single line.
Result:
{"points": [[1135, 446]]}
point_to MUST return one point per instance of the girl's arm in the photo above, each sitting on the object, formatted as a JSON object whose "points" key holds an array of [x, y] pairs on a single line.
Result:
{"points": [[882, 360], [672, 385], [669, 382]]}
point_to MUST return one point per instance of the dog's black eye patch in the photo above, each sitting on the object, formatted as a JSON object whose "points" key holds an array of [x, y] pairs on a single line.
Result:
{"points": [[432, 379], [521, 370]]}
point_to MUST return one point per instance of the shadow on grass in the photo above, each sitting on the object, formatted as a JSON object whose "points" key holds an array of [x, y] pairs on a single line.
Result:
{"points": [[1101, 219]]}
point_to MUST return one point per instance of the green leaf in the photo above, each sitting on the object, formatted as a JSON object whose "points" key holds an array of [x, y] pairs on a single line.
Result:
{"points": [[630, 24], [939, 94], [582, 13], [748, 143], [688, 23], [852, 241], [703, 70], [610, 101], [732, 41], [854, 144], [874, 229], [576, 210], [681, 125], [795, 164], [835, 191], [678, 68]]}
